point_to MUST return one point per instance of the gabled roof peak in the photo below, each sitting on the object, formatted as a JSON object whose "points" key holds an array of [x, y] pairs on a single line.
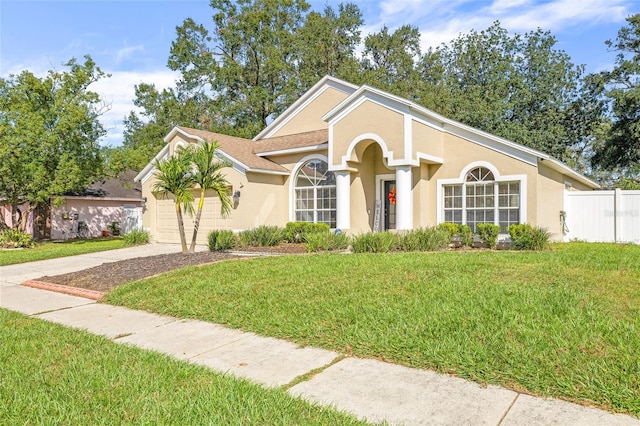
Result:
{"points": [[324, 83]]}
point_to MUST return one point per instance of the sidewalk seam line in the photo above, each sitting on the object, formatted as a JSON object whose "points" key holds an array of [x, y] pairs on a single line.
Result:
{"points": [[312, 373], [508, 409], [66, 308]]}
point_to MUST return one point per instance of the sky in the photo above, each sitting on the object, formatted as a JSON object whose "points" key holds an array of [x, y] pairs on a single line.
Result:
{"points": [[130, 40]]}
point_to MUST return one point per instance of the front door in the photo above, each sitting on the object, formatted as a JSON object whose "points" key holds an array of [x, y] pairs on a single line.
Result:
{"points": [[389, 200]]}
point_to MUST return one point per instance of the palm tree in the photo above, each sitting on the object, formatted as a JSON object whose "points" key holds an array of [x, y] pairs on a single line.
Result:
{"points": [[173, 176], [206, 173]]}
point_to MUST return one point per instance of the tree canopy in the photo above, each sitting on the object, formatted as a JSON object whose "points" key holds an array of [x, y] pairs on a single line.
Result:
{"points": [[256, 57], [620, 149], [517, 86], [49, 130]]}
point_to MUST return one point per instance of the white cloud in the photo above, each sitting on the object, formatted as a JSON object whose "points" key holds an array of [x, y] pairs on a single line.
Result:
{"points": [[126, 52], [119, 92], [440, 21]]}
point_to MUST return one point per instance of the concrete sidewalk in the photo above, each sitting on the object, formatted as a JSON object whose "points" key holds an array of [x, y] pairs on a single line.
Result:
{"points": [[370, 389]]}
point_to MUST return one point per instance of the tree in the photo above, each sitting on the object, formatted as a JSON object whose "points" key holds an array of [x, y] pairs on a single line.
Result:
{"points": [[49, 133], [173, 176], [206, 174], [326, 45], [258, 57], [621, 87], [248, 69], [519, 87], [389, 60], [144, 133]]}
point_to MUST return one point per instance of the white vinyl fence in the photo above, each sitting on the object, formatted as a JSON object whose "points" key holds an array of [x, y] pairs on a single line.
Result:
{"points": [[131, 218], [605, 216]]}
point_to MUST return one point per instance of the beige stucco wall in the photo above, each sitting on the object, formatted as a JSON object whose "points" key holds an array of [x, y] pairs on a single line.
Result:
{"points": [[263, 201], [266, 199], [310, 118], [459, 153], [363, 188], [426, 140], [368, 118], [550, 199]]}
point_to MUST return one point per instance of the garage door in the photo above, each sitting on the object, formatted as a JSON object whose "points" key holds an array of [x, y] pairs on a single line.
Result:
{"points": [[167, 222]]}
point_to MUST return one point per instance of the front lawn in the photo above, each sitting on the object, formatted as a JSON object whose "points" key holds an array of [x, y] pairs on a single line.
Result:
{"points": [[562, 323], [52, 250], [50, 374]]}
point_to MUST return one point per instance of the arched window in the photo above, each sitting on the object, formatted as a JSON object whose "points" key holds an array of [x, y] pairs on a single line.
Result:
{"points": [[315, 193], [482, 199]]}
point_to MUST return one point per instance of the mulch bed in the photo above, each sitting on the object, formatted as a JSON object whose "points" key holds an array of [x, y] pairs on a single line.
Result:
{"points": [[94, 282]]}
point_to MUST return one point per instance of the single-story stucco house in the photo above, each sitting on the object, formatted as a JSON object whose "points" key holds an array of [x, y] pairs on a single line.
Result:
{"points": [[86, 213], [361, 159]]}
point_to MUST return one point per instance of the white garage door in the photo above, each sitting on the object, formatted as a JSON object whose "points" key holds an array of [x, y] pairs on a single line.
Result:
{"points": [[167, 222]]}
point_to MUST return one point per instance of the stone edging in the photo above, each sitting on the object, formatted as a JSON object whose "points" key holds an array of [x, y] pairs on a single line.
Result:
{"points": [[73, 291]]}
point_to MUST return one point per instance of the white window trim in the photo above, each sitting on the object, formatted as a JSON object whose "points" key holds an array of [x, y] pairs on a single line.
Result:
{"points": [[292, 181], [497, 178]]}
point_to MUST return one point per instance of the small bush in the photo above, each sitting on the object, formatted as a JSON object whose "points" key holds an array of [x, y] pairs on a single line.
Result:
{"points": [[425, 239], [377, 242], [262, 236], [222, 240], [10, 238], [458, 230], [326, 241], [136, 237], [295, 232], [114, 227], [526, 237], [488, 233]]}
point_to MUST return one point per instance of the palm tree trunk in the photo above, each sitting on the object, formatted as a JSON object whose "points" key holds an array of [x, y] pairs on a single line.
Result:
{"points": [[196, 224], [183, 239]]}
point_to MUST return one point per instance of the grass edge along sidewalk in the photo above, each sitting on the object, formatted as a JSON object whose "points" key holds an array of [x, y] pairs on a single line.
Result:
{"points": [[53, 250], [562, 323], [68, 376]]}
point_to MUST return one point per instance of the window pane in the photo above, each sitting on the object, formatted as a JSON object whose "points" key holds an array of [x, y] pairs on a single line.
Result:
{"points": [[315, 191]]}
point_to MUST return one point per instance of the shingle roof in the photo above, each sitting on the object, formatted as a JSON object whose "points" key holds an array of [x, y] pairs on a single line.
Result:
{"points": [[248, 152], [299, 140], [239, 149], [121, 187]]}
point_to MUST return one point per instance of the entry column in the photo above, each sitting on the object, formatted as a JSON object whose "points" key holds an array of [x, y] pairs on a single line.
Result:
{"points": [[343, 200], [404, 198]]}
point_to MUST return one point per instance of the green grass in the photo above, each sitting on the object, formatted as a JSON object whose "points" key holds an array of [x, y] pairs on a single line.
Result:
{"points": [[52, 250], [562, 323], [50, 374]]}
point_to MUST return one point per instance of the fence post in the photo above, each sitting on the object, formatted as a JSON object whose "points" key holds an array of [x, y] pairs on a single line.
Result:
{"points": [[617, 200]]}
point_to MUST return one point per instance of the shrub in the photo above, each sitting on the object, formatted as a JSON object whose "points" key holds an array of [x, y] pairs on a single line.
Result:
{"points": [[114, 227], [326, 241], [222, 240], [10, 238], [262, 236], [488, 233], [377, 242], [458, 230], [425, 239], [526, 237], [295, 232], [136, 237]]}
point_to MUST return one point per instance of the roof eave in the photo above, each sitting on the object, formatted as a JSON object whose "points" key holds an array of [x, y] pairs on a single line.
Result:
{"points": [[568, 171], [326, 80], [298, 150], [150, 166]]}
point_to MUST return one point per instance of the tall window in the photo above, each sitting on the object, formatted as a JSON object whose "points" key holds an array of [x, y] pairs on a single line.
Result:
{"points": [[315, 193], [482, 199]]}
